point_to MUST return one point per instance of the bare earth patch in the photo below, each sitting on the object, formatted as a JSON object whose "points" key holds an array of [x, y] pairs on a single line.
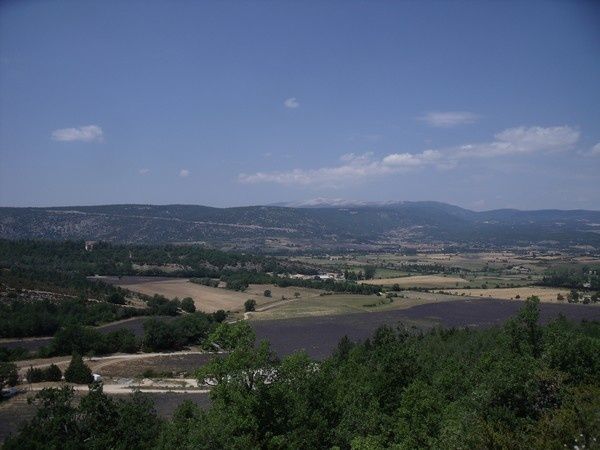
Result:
{"points": [[206, 298]]}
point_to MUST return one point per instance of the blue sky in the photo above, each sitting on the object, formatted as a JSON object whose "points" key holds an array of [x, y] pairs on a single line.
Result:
{"points": [[481, 104]]}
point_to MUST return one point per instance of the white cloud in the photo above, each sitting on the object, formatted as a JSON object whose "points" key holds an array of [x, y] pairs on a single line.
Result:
{"points": [[449, 119], [353, 167], [87, 133], [411, 159], [144, 171], [183, 173], [522, 140], [291, 103]]}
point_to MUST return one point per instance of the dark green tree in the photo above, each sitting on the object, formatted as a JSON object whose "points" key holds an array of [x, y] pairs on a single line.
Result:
{"points": [[9, 375], [34, 375], [187, 304], [369, 272], [160, 335], [78, 372], [53, 373]]}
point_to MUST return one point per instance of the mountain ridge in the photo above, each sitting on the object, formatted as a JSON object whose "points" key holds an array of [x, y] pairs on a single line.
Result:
{"points": [[320, 227]]}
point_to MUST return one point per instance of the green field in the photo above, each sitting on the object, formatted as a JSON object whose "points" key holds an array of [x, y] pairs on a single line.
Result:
{"points": [[347, 304]]}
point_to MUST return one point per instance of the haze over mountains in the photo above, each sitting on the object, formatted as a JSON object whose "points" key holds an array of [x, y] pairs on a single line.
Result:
{"points": [[315, 225]]}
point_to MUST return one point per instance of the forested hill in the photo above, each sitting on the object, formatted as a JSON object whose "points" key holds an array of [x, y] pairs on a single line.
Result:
{"points": [[326, 226]]}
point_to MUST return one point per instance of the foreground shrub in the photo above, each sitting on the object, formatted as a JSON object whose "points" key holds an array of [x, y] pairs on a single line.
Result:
{"points": [[96, 422], [9, 375], [37, 375], [249, 305]]}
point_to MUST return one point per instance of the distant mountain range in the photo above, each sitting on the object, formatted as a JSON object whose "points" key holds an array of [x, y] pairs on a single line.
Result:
{"points": [[318, 224]]}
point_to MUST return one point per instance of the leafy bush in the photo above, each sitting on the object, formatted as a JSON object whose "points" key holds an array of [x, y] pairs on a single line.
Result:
{"points": [[53, 373], [34, 375], [161, 306], [187, 304], [37, 375], [160, 335], [249, 305], [97, 421], [8, 374], [233, 335], [85, 340]]}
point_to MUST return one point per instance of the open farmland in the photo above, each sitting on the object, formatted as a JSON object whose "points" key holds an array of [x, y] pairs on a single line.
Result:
{"points": [[420, 281], [278, 292], [210, 299], [319, 336], [545, 294], [207, 299], [473, 262], [327, 305]]}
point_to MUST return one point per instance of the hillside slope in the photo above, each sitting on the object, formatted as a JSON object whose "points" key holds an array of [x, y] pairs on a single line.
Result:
{"points": [[323, 227]]}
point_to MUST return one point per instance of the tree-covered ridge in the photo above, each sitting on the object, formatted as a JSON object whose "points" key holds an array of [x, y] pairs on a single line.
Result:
{"points": [[123, 259], [520, 386], [324, 227]]}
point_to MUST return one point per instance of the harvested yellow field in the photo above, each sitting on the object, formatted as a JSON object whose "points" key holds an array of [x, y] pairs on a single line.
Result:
{"points": [[210, 299], [432, 281], [545, 294], [206, 298]]}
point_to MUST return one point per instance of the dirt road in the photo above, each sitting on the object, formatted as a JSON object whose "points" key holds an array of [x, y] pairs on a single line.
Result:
{"points": [[98, 362]]}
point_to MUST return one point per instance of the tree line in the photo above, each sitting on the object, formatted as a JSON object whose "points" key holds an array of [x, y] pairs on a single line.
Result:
{"points": [[582, 278], [241, 280], [127, 259], [23, 318]]}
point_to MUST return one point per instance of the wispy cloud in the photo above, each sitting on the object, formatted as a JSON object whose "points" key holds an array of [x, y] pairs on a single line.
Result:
{"points": [[144, 171], [87, 133], [291, 103], [353, 167], [183, 173], [595, 150], [520, 140], [449, 119]]}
